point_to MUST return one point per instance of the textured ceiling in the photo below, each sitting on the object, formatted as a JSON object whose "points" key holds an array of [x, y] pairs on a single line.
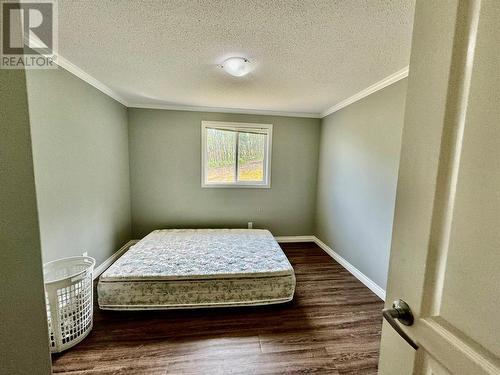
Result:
{"points": [[307, 55]]}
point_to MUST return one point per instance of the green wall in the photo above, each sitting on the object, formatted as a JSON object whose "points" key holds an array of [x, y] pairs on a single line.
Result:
{"points": [[165, 170], [357, 177], [80, 151], [93, 174], [98, 171], [23, 322], [105, 173]]}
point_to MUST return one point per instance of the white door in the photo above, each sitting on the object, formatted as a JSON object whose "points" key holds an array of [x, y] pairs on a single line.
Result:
{"points": [[445, 256]]}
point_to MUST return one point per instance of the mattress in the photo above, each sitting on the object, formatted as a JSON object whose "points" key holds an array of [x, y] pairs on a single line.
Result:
{"points": [[193, 268]]}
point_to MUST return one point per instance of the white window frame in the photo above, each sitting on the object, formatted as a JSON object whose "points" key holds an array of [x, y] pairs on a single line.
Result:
{"points": [[235, 126]]}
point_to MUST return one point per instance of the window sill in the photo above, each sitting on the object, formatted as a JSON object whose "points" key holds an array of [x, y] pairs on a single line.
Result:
{"points": [[236, 186]]}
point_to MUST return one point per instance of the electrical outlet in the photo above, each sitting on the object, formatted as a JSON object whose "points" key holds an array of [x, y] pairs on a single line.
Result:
{"points": [[250, 225], [85, 254]]}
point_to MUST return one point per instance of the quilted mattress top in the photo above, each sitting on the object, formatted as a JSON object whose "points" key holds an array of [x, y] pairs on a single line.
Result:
{"points": [[173, 254]]}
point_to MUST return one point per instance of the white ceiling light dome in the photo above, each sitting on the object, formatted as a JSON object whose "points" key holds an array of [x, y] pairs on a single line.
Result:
{"points": [[237, 66]]}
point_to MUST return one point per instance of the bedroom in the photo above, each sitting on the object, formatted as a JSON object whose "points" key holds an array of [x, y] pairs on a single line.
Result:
{"points": [[298, 165]]}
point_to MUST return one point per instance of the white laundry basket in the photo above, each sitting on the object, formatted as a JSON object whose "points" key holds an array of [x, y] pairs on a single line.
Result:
{"points": [[69, 298]]}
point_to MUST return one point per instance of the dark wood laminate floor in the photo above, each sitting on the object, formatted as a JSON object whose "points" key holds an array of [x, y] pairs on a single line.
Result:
{"points": [[331, 327]]}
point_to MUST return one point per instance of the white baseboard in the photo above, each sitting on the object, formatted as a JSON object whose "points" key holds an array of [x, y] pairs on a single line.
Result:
{"points": [[108, 262], [284, 239], [380, 292]]}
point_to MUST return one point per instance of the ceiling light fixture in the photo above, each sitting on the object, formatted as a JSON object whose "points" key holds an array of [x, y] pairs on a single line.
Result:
{"points": [[236, 66]]}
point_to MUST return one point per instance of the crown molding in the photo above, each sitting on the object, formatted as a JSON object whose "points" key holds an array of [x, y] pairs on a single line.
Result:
{"points": [[75, 70], [389, 80], [62, 62], [224, 110]]}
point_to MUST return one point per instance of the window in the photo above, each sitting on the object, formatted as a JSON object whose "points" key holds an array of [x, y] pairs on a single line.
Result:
{"points": [[236, 154]]}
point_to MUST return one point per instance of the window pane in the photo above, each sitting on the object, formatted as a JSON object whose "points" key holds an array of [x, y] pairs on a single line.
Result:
{"points": [[221, 152], [251, 150]]}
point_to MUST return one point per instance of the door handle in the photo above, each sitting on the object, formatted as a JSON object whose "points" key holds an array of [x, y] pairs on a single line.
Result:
{"points": [[400, 311]]}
